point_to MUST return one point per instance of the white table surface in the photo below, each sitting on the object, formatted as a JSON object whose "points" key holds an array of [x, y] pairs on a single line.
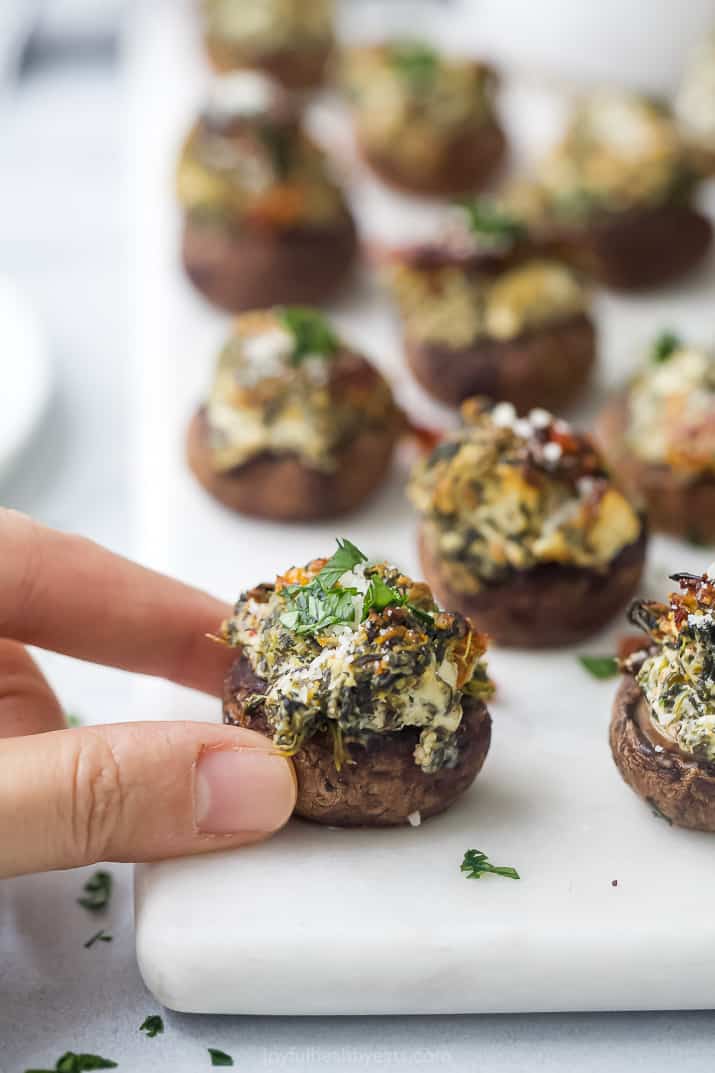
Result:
{"points": [[61, 238]]}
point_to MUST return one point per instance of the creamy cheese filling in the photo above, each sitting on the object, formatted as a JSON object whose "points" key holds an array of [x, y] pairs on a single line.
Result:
{"points": [[262, 400], [671, 411], [679, 685], [619, 150], [412, 115], [488, 514], [374, 675], [451, 306]]}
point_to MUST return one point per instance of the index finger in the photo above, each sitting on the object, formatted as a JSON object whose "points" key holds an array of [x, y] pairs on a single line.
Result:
{"points": [[67, 594]]}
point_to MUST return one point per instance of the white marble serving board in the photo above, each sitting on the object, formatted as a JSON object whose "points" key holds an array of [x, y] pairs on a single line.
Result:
{"points": [[347, 922]]}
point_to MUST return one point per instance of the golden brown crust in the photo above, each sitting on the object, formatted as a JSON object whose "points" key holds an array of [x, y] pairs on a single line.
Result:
{"points": [[683, 790], [685, 508], [284, 489], [468, 162], [383, 786], [547, 366], [295, 68], [254, 268], [638, 249], [547, 606]]}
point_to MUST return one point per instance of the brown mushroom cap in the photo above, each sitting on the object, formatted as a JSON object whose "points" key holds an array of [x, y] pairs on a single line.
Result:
{"points": [[685, 508], [380, 786], [546, 366], [257, 267], [681, 788], [635, 249], [546, 606], [468, 161], [281, 487], [295, 68]]}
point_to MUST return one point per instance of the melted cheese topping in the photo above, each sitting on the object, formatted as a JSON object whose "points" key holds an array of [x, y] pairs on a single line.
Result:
{"points": [[261, 401], [493, 503], [253, 27], [412, 116], [619, 150], [671, 412], [452, 306], [678, 675], [240, 162], [695, 102]]}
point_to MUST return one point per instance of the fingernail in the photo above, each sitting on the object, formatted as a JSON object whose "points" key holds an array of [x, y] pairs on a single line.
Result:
{"points": [[242, 790]]}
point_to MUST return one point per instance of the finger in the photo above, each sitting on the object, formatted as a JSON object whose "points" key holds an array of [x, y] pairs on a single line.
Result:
{"points": [[67, 594], [137, 791], [27, 704]]}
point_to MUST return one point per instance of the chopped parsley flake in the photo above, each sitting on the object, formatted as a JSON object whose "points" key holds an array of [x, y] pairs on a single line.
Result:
{"points": [[486, 219], [312, 333], [476, 864], [664, 347], [220, 1058], [72, 720], [153, 1025], [98, 937], [98, 891], [600, 666]]}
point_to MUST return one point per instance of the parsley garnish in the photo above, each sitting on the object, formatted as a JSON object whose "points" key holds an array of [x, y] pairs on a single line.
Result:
{"points": [[72, 720], [476, 864], [664, 347], [600, 666], [416, 62], [77, 1063], [484, 218], [323, 602], [153, 1025], [98, 890], [312, 333], [98, 937], [220, 1058]]}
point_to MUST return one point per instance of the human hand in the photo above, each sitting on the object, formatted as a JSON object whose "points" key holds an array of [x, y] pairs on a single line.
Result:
{"points": [[129, 791]]}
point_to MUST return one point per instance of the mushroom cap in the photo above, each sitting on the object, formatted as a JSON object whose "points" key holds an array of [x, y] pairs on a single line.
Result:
{"points": [[380, 785], [679, 787]]}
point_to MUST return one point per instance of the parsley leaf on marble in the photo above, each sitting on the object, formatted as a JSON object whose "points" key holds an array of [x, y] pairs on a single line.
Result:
{"points": [[476, 864], [97, 892], [220, 1058], [153, 1025], [98, 937], [600, 666]]}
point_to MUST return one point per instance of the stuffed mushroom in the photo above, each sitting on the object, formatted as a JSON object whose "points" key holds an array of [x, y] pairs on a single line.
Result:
{"points": [[291, 40], [425, 123], [695, 106], [659, 438], [663, 724], [297, 426], [352, 669], [522, 529], [615, 197], [484, 315], [263, 221]]}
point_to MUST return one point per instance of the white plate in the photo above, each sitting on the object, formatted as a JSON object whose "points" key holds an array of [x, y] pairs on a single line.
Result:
{"points": [[25, 377], [347, 922]]}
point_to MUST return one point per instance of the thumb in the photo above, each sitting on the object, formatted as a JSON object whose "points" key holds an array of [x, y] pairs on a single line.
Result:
{"points": [[137, 791]]}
